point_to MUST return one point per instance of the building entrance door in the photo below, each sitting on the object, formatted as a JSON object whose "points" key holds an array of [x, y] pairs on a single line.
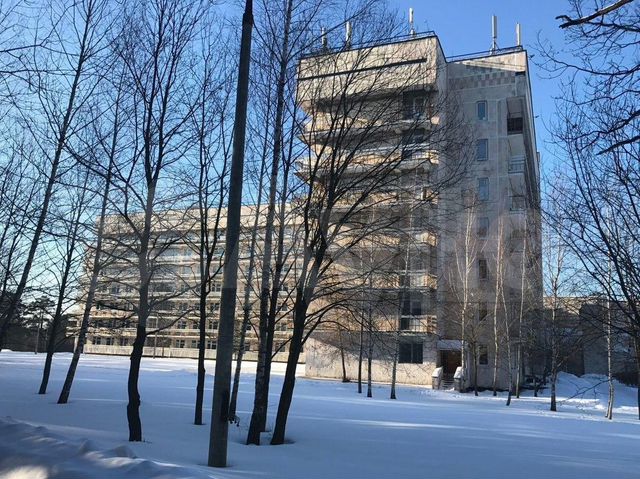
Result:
{"points": [[450, 361]]}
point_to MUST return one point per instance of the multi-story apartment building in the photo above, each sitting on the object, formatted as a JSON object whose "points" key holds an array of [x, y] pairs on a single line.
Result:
{"points": [[466, 277], [437, 168], [173, 325]]}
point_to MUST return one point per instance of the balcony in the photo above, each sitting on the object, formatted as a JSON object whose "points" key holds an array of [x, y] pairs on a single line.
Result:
{"points": [[417, 280], [419, 324]]}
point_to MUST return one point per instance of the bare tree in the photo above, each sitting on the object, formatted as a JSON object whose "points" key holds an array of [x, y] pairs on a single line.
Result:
{"points": [[72, 228], [597, 131], [110, 148], [211, 126], [78, 57], [220, 409], [155, 53], [259, 415]]}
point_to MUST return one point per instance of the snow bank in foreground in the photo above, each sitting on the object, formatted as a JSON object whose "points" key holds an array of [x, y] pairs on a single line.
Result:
{"points": [[29, 452]]}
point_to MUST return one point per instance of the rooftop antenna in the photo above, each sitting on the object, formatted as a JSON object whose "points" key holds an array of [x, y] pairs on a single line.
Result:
{"points": [[518, 35], [494, 34], [348, 37], [323, 38], [412, 30]]}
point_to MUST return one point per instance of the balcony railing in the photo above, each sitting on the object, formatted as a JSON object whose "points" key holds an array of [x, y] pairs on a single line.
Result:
{"points": [[516, 164], [418, 324]]}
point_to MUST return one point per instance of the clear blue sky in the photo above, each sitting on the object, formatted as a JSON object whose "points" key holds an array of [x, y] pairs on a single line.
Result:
{"points": [[464, 26]]}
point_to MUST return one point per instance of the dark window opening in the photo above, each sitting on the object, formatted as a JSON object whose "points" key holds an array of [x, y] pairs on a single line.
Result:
{"points": [[515, 125], [483, 355], [483, 270], [410, 353]]}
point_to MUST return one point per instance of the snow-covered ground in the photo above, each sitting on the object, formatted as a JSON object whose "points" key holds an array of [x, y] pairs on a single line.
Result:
{"points": [[334, 432]]}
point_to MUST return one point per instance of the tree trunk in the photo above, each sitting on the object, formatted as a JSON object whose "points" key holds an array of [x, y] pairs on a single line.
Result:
{"points": [[345, 379], [202, 333], [369, 340], [224, 356], [521, 313], [133, 406], [475, 370], [286, 395], [637, 348], [394, 367], [496, 339], [519, 370], [609, 413], [554, 377], [360, 357]]}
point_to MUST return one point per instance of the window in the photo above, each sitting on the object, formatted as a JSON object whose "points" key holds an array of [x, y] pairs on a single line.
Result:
{"points": [[415, 137], [282, 307], [212, 324], [217, 287], [517, 203], [483, 227], [415, 106], [182, 324], [410, 353], [211, 344], [97, 340], [179, 343], [124, 342], [483, 355], [515, 124], [419, 109], [483, 311], [483, 271], [517, 240], [481, 110], [164, 306], [483, 189], [482, 149], [412, 306], [417, 262], [412, 154], [194, 344], [433, 257], [214, 307], [516, 164]]}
